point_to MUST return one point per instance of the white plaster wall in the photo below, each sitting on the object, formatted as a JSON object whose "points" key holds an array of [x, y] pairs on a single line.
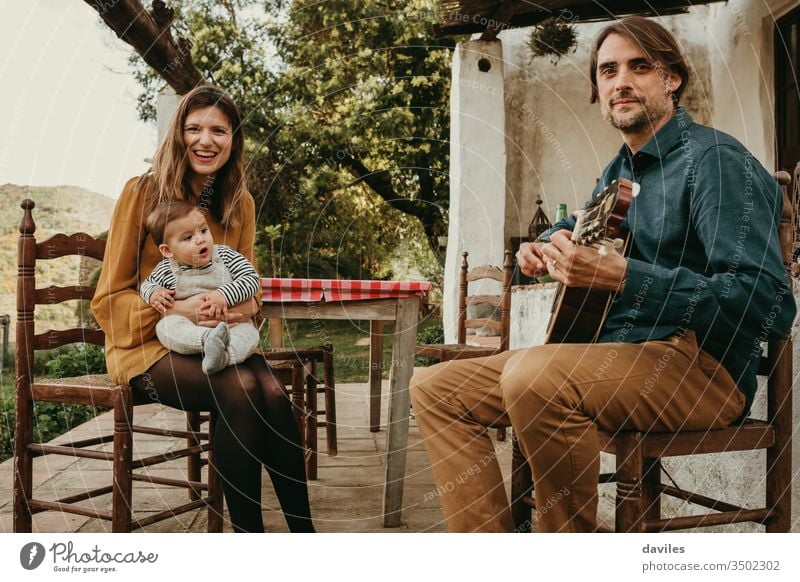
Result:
{"points": [[531, 306], [477, 171], [166, 106], [741, 52]]}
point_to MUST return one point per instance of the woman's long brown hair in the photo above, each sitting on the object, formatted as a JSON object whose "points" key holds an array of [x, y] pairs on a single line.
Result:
{"points": [[171, 165]]}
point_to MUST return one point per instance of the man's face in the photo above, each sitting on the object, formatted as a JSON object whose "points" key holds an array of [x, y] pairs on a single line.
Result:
{"points": [[635, 93]]}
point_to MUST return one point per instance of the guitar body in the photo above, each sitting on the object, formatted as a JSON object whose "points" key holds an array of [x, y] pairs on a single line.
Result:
{"points": [[578, 313]]}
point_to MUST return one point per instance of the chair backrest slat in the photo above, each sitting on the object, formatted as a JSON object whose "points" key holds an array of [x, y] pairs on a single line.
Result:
{"points": [[62, 245], [54, 294], [55, 338], [485, 272]]}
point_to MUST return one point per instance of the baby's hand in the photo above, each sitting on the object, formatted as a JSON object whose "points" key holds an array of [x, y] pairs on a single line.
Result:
{"points": [[215, 304], [161, 299]]}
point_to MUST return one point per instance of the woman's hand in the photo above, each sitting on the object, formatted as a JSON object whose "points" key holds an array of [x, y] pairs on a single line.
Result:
{"points": [[188, 308], [583, 266], [196, 309], [233, 316], [161, 299]]}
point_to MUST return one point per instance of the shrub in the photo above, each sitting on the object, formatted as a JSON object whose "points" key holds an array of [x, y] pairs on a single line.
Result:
{"points": [[76, 360], [432, 334], [52, 419]]}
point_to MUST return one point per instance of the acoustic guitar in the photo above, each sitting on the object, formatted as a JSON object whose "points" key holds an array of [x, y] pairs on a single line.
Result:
{"points": [[578, 313]]}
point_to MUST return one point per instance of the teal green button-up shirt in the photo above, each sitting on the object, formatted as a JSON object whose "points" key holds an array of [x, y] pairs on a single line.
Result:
{"points": [[705, 254]]}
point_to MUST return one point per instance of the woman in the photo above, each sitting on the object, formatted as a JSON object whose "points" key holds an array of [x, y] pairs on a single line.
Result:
{"points": [[201, 160]]}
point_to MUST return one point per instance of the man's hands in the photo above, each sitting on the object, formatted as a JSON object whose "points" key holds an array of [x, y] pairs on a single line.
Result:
{"points": [[571, 264], [162, 299]]}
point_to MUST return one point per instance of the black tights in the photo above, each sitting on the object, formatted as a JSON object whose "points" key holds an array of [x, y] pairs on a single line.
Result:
{"points": [[256, 427]]}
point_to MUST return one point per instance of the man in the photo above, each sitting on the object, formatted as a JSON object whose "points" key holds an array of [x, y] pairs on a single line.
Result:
{"points": [[698, 291]]}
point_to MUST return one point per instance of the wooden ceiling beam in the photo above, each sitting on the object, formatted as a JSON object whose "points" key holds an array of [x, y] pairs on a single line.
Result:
{"points": [[529, 13], [500, 19]]}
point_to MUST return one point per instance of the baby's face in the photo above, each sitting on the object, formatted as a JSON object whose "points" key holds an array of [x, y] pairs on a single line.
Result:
{"points": [[188, 240]]}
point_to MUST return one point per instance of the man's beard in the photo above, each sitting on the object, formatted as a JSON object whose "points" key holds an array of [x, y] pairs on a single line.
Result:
{"points": [[645, 118]]}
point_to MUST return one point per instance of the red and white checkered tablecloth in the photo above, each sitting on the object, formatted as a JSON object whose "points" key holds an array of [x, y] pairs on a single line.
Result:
{"points": [[304, 290]]}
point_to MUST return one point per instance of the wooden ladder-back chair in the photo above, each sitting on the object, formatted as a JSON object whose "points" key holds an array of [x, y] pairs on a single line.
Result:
{"points": [[502, 302], [96, 391], [639, 454], [298, 369]]}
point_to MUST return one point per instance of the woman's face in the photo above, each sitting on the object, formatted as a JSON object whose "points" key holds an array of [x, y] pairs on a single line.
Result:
{"points": [[207, 135]]}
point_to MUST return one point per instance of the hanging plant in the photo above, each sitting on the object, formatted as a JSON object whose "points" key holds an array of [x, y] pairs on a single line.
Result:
{"points": [[553, 37]]}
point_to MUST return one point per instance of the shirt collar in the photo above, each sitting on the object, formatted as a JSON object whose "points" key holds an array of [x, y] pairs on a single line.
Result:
{"points": [[665, 138]]}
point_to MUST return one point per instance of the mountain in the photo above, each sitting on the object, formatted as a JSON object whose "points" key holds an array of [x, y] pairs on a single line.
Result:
{"points": [[58, 209]]}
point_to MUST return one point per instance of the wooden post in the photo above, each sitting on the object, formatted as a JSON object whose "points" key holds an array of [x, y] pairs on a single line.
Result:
{"points": [[275, 332], [630, 469], [462, 300], [23, 402], [375, 373], [399, 408], [122, 486]]}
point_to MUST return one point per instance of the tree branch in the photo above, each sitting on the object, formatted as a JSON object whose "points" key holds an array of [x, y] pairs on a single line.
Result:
{"points": [[381, 183], [150, 36]]}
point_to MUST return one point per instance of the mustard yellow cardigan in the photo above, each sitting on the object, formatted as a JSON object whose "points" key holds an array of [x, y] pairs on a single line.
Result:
{"points": [[128, 322]]}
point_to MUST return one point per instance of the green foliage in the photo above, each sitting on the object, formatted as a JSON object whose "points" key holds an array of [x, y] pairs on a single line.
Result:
{"points": [[52, 419], [76, 360], [553, 37], [433, 334], [430, 334], [6, 425], [346, 109]]}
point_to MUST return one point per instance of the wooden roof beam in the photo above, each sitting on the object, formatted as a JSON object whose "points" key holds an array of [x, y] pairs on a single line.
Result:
{"points": [[500, 19]]}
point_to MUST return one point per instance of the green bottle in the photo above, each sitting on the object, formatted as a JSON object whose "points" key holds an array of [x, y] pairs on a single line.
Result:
{"points": [[561, 212]]}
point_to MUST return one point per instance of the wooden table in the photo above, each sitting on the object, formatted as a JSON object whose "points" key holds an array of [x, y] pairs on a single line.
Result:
{"points": [[377, 302]]}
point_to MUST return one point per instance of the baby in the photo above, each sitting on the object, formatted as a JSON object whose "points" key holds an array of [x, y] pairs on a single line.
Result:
{"points": [[194, 265]]}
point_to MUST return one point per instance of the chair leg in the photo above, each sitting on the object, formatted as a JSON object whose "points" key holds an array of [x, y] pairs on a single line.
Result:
{"points": [[193, 462], [630, 470], [779, 486], [521, 487], [311, 426], [779, 455], [330, 404], [651, 494], [23, 464], [122, 488], [215, 506], [298, 402]]}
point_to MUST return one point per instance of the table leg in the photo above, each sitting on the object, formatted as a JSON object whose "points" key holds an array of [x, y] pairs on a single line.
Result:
{"points": [[375, 373], [405, 334], [275, 332]]}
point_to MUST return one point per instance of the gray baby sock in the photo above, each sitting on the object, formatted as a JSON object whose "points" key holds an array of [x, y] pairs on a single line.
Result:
{"points": [[215, 346]]}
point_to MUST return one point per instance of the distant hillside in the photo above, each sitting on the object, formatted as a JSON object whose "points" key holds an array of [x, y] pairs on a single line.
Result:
{"points": [[58, 209]]}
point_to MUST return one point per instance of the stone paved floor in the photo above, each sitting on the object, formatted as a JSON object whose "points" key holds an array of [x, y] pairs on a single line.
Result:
{"points": [[346, 497]]}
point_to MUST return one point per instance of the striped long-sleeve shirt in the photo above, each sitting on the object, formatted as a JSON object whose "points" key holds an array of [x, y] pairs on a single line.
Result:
{"points": [[245, 284]]}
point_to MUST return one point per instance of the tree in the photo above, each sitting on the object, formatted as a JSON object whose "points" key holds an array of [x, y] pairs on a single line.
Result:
{"points": [[346, 106]]}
